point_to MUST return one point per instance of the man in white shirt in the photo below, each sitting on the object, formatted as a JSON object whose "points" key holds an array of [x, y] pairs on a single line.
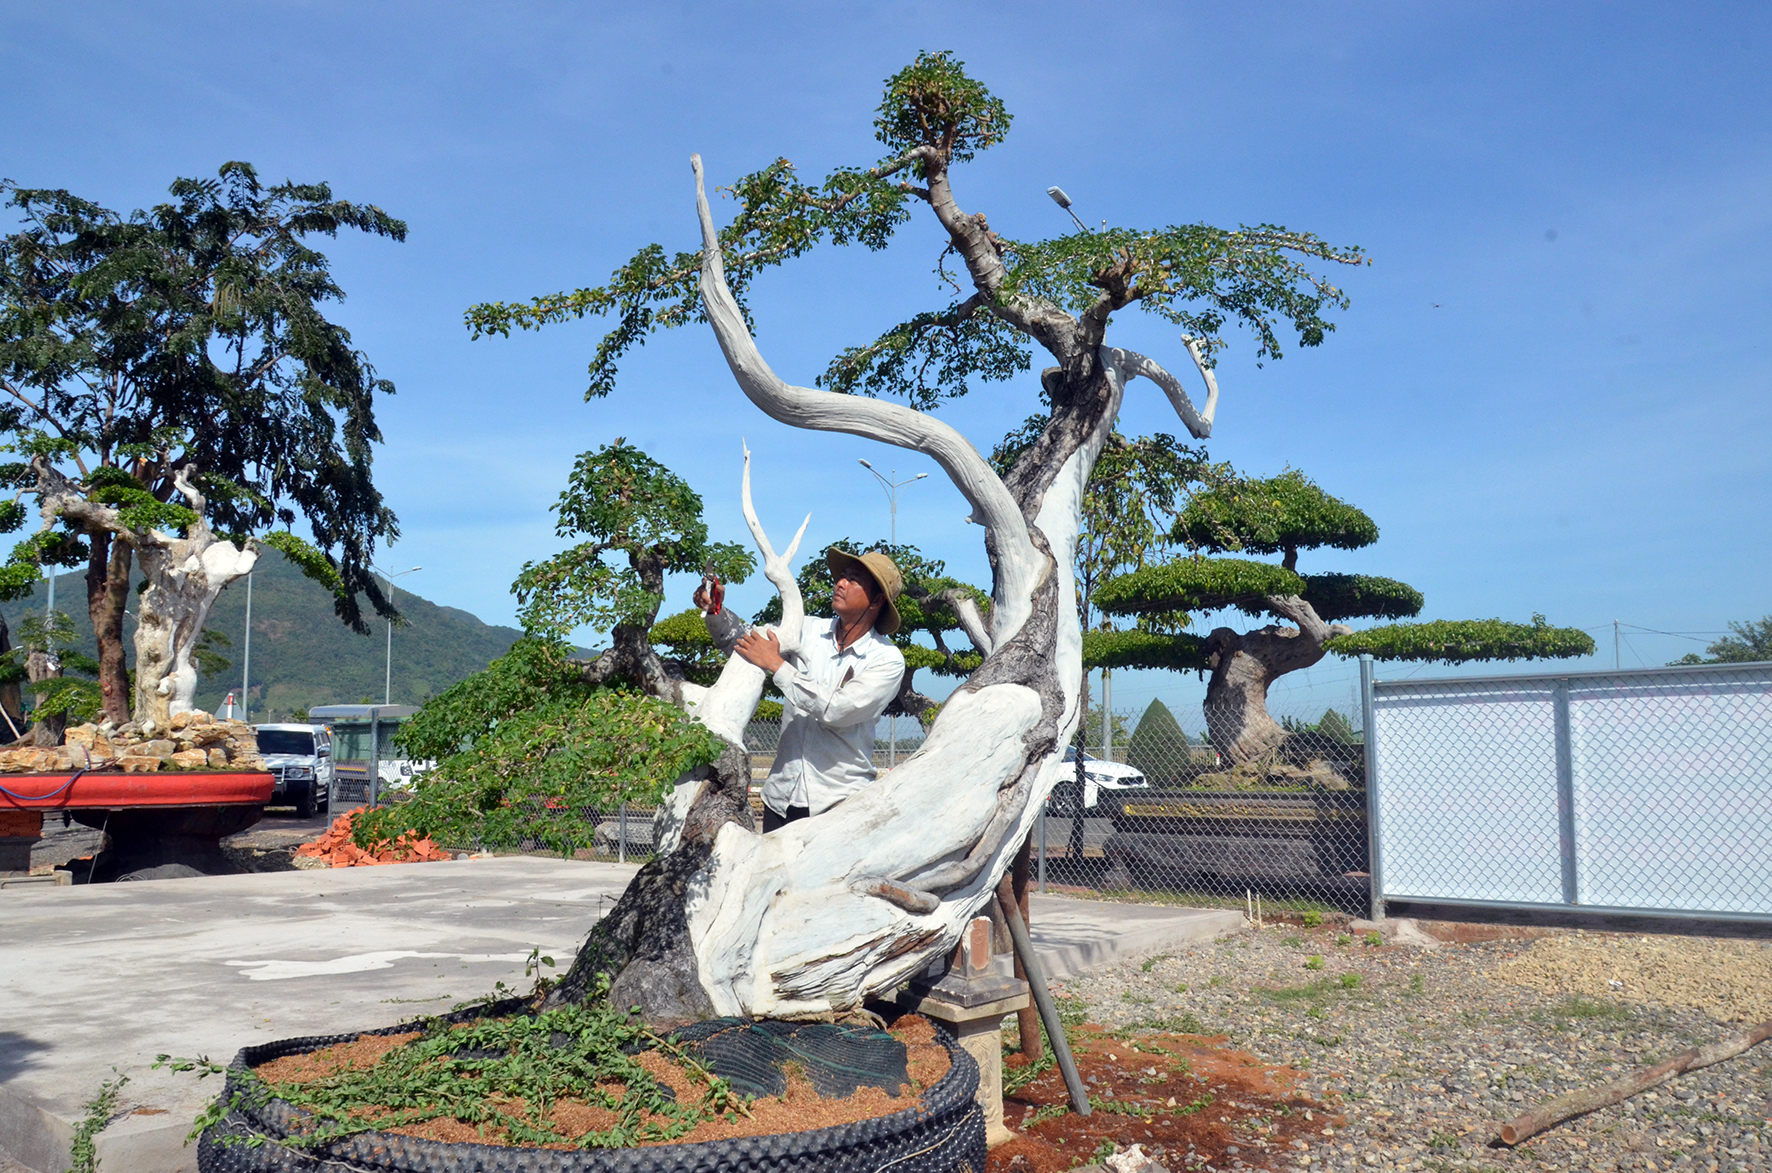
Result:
{"points": [[846, 673]]}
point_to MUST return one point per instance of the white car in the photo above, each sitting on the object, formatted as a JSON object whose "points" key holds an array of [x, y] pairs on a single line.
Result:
{"points": [[300, 757], [1098, 775]]}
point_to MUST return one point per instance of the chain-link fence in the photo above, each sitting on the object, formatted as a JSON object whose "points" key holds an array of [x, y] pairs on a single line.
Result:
{"points": [[1166, 816], [1278, 812], [1646, 791]]}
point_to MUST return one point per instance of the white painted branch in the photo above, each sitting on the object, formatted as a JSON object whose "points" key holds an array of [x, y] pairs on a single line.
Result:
{"points": [[727, 706], [972, 622], [1198, 423], [1019, 563]]}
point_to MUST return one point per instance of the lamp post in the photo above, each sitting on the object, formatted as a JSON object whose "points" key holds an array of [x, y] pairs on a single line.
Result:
{"points": [[892, 486], [1064, 201], [387, 695]]}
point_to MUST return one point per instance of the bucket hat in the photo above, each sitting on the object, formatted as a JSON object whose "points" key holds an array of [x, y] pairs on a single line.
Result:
{"points": [[883, 571]]}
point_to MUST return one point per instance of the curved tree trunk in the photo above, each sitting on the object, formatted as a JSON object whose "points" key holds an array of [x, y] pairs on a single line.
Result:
{"points": [[812, 919], [184, 577], [107, 593], [48, 731], [1245, 665]]}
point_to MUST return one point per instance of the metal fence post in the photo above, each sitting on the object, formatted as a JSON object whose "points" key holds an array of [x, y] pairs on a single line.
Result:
{"points": [[1042, 818], [1565, 790], [374, 756], [1374, 840], [621, 841]]}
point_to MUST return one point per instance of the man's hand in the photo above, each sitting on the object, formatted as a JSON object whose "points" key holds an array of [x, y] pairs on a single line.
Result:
{"points": [[762, 649]]}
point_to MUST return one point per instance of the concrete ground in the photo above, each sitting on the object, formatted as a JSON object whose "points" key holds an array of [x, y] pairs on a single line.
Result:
{"points": [[97, 980]]}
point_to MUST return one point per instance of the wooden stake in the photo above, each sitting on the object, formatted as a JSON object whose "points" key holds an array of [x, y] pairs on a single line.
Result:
{"points": [[1578, 1103]]}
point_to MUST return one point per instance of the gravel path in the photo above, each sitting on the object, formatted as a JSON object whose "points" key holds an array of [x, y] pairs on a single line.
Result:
{"points": [[1423, 1053]]}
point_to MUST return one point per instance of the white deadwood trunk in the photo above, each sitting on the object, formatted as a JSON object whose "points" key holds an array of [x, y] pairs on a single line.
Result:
{"points": [[184, 576], [814, 917], [811, 919]]}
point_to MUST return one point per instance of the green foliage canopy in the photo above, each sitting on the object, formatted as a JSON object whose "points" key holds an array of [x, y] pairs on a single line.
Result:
{"points": [[1278, 515], [933, 116], [1750, 642], [525, 747], [1457, 641], [193, 333], [637, 511]]}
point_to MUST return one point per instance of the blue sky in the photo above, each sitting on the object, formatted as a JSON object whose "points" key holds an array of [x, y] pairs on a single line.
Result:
{"points": [[1550, 391]]}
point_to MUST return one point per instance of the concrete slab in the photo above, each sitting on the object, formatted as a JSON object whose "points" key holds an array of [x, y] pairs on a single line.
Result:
{"points": [[98, 980], [1073, 936]]}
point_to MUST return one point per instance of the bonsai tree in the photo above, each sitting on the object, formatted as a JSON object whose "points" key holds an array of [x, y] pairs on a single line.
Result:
{"points": [[527, 746], [640, 521], [1284, 515], [173, 385], [819, 915]]}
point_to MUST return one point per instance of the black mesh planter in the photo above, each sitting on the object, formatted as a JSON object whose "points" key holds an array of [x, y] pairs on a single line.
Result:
{"points": [[943, 1133]]}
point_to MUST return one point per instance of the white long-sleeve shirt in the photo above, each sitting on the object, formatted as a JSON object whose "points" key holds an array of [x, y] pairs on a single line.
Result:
{"points": [[831, 700]]}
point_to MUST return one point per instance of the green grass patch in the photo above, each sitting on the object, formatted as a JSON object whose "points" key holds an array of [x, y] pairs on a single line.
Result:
{"points": [[1575, 1006]]}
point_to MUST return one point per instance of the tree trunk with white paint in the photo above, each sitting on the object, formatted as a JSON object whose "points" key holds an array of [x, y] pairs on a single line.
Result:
{"points": [[185, 575], [813, 918]]}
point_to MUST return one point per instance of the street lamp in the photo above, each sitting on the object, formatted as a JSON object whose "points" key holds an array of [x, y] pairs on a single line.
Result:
{"points": [[892, 487], [387, 695], [1064, 201]]}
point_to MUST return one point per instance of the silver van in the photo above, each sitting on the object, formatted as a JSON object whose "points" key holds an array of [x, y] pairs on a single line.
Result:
{"points": [[300, 758]]}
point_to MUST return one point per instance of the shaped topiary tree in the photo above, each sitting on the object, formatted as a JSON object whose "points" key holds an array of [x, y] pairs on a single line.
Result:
{"points": [[1284, 515], [819, 915]]}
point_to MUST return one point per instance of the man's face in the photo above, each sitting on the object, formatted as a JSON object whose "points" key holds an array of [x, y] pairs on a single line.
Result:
{"points": [[853, 593]]}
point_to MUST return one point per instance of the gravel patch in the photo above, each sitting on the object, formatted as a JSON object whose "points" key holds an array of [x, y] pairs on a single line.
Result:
{"points": [[1422, 1054]]}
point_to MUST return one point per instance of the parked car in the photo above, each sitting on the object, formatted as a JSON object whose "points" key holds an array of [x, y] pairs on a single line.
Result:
{"points": [[299, 757], [1098, 775]]}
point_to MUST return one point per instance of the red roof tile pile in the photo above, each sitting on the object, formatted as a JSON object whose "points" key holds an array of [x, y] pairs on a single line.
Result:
{"points": [[336, 848]]}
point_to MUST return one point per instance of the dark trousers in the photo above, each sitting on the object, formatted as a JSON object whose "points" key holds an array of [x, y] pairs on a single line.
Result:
{"points": [[772, 821]]}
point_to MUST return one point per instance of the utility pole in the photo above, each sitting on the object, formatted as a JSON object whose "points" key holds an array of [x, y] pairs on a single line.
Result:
{"points": [[1616, 665], [892, 485]]}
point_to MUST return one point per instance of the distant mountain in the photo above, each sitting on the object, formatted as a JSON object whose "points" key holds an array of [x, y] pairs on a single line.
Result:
{"points": [[301, 654]]}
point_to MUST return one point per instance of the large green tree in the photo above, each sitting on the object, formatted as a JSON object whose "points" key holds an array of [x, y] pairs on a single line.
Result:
{"points": [[805, 931], [1282, 516], [173, 385], [639, 521]]}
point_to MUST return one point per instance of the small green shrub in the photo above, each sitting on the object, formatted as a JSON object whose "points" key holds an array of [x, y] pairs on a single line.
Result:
{"points": [[1343, 939], [1313, 919], [1374, 938], [1314, 961], [1350, 981]]}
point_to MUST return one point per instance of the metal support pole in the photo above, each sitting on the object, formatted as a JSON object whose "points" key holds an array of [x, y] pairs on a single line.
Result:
{"points": [[621, 839], [1565, 791], [374, 756], [1374, 839], [1061, 1048], [1042, 821]]}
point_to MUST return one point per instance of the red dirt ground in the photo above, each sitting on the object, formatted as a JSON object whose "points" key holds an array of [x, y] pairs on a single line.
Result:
{"points": [[1188, 1099]]}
